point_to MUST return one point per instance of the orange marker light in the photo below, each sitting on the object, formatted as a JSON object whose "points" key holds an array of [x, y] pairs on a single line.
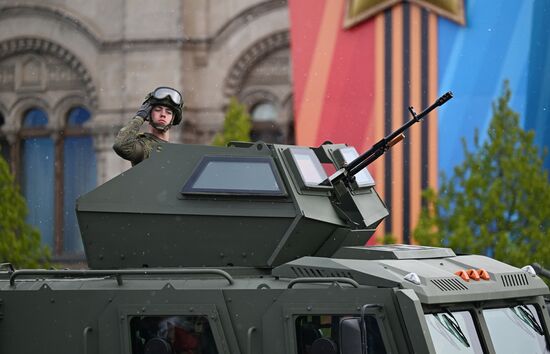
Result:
{"points": [[463, 275], [483, 274], [473, 274]]}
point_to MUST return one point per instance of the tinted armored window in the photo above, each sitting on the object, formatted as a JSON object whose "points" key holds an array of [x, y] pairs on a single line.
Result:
{"points": [[308, 166], [453, 332], [171, 334], [320, 334], [362, 178], [235, 175], [516, 329]]}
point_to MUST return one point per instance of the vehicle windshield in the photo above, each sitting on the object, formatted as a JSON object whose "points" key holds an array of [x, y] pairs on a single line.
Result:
{"points": [[516, 330], [453, 332]]}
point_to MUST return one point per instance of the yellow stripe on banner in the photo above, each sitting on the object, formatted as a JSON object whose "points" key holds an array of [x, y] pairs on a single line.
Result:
{"points": [[415, 164], [379, 70], [397, 114], [432, 94], [311, 106]]}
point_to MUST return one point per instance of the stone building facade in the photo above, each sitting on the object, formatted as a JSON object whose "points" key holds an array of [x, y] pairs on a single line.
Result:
{"points": [[72, 72]]}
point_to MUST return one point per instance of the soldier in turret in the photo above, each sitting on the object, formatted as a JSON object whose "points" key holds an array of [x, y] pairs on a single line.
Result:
{"points": [[162, 108]]}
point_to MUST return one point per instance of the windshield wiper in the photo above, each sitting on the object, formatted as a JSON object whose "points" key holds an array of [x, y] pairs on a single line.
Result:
{"points": [[526, 316], [450, 323]]}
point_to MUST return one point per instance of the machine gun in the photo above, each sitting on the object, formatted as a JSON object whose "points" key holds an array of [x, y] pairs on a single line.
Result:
{"points": [[342, 199], [347, 172]]}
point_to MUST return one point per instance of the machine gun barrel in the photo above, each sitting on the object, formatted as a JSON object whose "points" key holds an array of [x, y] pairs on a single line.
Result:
{"points": [[541, 271], [396, 136], [386, 143]]}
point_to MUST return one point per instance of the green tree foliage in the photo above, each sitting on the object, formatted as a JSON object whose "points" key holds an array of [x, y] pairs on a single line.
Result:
{"points": [[19, 242], [497, 202], [237, 125], [386, 239]]}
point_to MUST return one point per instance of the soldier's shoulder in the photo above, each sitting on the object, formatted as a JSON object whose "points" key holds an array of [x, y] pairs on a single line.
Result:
{"points": [[149, 138]]}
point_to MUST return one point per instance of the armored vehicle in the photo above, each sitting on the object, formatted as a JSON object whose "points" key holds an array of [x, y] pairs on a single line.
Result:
{"points": [[254, 249]]}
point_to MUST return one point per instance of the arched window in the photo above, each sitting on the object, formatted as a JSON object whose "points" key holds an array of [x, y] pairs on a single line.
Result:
{"points": [[264, 123], [37, 173], [46, 93], [79, 174], [264, 112], [54, 173]]}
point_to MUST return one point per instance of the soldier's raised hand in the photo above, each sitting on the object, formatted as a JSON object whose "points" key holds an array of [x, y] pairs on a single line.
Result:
{"points": [[145, 110]]}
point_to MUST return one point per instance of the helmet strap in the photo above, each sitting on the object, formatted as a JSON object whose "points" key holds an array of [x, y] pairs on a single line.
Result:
{"points": [[160, 128]]}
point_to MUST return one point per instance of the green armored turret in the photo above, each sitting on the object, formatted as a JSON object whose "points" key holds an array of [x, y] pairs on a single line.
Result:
{"points": [[248, 205]]}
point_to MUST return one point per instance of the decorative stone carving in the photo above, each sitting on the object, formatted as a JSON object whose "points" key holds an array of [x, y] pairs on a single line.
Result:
{"points": [[61, 76], [23, 73], [33, 74], [30, 74], [7, 77], [255, 96], [273, 70], [257, 52], [242, 20]]}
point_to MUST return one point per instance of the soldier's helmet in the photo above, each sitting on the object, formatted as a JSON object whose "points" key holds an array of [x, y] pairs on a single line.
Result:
{"points": [[169, 97]]}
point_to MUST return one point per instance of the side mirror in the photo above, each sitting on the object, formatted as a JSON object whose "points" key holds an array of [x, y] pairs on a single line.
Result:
{"points": [[350, 336]]}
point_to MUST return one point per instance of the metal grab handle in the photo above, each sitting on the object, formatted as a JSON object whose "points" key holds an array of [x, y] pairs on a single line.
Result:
{"points": [[7, 266], [87, 330], [323, 280], [86, 273], [251, 330]]}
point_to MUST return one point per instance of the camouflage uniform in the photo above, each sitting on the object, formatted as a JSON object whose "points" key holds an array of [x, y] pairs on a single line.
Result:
{"points": [[134, 146]]}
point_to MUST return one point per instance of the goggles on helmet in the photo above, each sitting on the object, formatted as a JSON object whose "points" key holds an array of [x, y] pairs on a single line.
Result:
{"points": [[163, 92]]}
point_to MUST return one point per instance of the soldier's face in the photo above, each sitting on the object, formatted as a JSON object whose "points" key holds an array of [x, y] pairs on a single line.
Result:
{"points": [[161, 115]]}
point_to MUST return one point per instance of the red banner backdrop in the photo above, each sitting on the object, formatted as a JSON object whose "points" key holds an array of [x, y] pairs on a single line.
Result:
{"points": [[334, 75], [353, 85]]}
